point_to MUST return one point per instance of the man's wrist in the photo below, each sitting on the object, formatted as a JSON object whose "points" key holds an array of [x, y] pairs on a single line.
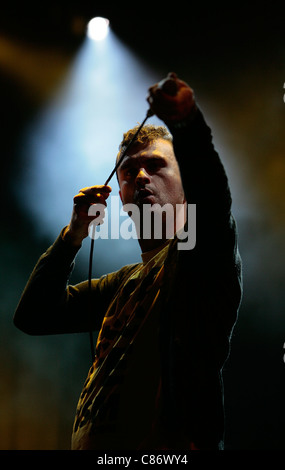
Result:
{"points": [[185, 122], [69, 237]]}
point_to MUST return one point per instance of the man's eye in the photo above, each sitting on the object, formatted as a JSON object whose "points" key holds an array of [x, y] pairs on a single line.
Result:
{"points": [[152, 166], [130, 172]]}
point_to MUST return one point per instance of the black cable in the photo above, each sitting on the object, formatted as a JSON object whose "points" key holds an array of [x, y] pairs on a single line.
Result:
{"points": [[148, 114], [89, 295]]}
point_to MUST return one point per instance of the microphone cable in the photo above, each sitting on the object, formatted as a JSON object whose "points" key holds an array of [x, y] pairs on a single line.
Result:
{"points": [[148, 115]]}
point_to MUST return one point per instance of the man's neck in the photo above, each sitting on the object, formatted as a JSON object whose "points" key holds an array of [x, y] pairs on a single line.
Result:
{"points": [[148, 244]]}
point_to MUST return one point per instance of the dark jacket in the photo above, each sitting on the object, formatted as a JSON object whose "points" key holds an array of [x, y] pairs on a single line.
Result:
{"points": [[201, 296]]}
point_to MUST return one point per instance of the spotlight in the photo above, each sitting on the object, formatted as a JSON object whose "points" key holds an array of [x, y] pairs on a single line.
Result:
{"points": [[98, 28]]}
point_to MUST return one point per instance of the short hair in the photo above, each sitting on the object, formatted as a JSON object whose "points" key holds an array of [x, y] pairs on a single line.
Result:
{"points": [[147, 134]]}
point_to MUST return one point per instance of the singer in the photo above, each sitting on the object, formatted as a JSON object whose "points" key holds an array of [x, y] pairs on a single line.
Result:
{"points": [[165, 324]]}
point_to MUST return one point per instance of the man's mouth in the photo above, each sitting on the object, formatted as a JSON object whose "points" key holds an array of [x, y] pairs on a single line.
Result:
{"points": [[143, 195]]}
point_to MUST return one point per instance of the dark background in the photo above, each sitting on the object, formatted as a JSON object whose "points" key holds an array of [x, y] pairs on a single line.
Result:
{"points": [[233, 57]]}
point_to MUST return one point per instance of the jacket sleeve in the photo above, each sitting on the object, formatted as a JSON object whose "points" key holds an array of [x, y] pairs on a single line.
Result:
{"points": [[213, 266], [203, 175], [49, 305]]}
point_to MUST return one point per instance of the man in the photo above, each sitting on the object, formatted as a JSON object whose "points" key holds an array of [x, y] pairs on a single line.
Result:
{"points": [[165, 324]]}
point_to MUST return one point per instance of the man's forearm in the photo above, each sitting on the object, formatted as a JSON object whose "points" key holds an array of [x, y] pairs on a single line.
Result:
{"points": [[202, 172], [206, 185]]}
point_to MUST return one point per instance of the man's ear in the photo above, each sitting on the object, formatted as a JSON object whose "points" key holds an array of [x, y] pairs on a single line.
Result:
{"points": [[120, 194]]}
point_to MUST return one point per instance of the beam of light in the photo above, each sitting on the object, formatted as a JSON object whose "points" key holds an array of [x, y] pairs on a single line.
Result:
{"points": [[98, 28], [74, 142]]}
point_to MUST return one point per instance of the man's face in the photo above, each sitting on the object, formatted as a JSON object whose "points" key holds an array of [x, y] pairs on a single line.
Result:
{"points": [[150, 174]]}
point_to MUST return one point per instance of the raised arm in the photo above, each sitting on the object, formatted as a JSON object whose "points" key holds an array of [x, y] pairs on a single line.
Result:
{"points": [[204, 179]]}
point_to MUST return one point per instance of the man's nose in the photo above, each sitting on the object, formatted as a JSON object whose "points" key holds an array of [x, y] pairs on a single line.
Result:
{"points": [[142, 177]]}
